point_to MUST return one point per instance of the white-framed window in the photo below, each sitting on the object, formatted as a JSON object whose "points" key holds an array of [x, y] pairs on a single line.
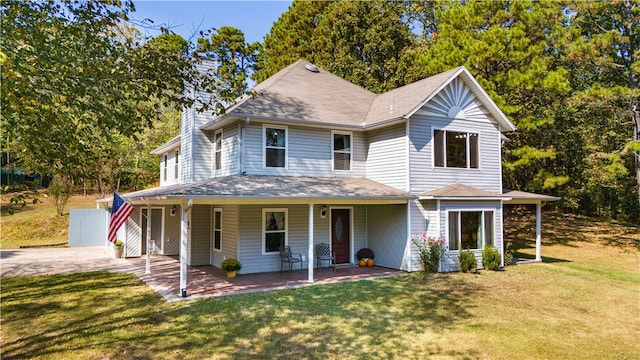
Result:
{"points": [[217, 229], [274, 230], [275, 146], [166, 163], [342, 150], [175, 168], [455, 149], [470, 229], [217, 150]]}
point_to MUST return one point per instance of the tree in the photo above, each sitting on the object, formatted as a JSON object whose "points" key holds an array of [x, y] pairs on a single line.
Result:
{"points": [[367, 43]]}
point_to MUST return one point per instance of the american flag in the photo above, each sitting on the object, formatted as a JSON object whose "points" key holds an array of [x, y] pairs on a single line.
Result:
{"points": [[119, 214]]}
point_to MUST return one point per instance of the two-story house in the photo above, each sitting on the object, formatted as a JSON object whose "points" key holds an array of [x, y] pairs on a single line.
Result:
{"points": [[313, 158]]}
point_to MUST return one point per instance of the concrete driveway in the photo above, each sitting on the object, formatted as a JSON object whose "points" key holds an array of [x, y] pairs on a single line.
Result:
{"points": [[41, 261]]}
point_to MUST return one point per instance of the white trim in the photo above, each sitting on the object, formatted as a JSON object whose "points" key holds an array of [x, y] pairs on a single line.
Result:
{"points": [[165, 163], [217, 169], [444, 150], [333, 151], [461, 210], [176, 170], [213, 230], [264, 230], [264, 145]]}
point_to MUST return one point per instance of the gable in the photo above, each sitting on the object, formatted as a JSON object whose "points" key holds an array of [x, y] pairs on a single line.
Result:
{"points": [[456, 101]]}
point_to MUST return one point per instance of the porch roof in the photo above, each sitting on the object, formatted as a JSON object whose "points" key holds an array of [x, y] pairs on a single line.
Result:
{"points": [[523, 197], [257, 189], [461, 192]]}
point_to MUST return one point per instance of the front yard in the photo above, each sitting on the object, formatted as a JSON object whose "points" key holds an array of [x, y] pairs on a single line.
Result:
{"points": [[582, 302]]}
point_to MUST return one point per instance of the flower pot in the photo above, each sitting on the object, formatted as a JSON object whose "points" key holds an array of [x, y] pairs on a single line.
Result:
{"points": [[117, 251], [370, 262], [232, 273]]}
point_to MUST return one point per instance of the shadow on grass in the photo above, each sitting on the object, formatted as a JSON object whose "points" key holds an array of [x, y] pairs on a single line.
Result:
{"points": [[115, 316]]}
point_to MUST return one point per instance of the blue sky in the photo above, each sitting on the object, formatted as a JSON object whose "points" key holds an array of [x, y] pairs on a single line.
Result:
{"points": [[186, 18]]}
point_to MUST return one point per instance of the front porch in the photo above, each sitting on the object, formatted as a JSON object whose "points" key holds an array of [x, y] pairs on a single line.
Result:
{"points": [[209, 281]]}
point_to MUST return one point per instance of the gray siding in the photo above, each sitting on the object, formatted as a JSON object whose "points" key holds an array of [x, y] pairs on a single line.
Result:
{"points": [[200, 241], [229, 235], [309, 153], [387, 156], [387, 230], [473, 118], [250, 233], [172, 231]]}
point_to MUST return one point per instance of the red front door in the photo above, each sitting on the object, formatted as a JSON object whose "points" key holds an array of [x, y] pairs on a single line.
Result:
{"points": [[340, 234]]}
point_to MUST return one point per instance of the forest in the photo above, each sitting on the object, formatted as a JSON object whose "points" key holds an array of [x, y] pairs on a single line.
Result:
{"points": [[85, 96]]}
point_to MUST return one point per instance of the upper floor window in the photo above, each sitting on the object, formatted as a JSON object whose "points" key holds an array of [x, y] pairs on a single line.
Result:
{"points": [[166, 162], [455, 149], [342, 151], [470, 229], [217, 165], [275, 146], [175, 169]]}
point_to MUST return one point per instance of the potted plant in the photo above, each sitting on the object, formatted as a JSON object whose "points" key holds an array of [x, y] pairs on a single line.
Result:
{"points": [[231, 266], [365, 257], [118, 246]]}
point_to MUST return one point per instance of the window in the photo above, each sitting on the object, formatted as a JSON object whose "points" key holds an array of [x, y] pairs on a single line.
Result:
{"points": [[275, 141], [217, 229], [341, 151], [274, 227], [470, 229], [166, 161], [175, 170], [455, 149], [217, 165]]}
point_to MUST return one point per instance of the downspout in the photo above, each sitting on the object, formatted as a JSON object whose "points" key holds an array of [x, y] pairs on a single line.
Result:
{"points": [[183, 247]]}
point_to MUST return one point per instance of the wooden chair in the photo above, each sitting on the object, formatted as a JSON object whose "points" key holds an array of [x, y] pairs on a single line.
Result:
{"points": [[323, 253], [286, 256]]}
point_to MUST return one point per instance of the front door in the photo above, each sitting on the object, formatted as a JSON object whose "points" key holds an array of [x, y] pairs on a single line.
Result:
{"points": [[341, 234]]}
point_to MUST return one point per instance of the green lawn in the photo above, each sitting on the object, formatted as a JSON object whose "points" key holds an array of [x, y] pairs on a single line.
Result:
{"points": [[583, 302], [561, 309]]}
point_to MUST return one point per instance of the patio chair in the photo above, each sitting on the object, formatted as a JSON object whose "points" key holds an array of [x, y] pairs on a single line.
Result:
{"points": [[323, 253], [286, 256]]}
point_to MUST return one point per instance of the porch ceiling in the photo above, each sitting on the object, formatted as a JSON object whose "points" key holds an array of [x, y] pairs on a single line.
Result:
{"points": [[254, 189]]}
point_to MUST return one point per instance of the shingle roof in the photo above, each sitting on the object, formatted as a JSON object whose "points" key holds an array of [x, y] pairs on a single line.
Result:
{"points": [[296, 94], [517, 195], [248, 188], [462, 192]]}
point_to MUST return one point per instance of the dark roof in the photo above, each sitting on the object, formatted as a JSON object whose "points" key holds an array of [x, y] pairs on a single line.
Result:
{"points": [[255, 188]]}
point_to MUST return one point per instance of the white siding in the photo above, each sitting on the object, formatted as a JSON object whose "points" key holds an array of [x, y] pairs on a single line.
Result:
{"points": [[309, 153], [387, 156]]}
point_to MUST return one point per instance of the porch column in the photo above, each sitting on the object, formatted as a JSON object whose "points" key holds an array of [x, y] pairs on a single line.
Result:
{"points": [[538, 231], [184, 227], [310, 253], [148, 262]]}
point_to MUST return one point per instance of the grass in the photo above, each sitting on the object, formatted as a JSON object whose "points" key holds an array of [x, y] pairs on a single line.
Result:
{"points": [[39, 224], [582, 302]]}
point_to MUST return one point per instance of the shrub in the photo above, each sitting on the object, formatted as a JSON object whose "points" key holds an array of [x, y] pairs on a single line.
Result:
{"points": [[430, 250], [230, 264], [508, 254], [118, 243], [491, 258], [468, 262], [365, 253]]}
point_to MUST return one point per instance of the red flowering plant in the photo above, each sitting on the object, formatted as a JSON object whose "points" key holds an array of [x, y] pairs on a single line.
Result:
{"points": [[430, 249]]}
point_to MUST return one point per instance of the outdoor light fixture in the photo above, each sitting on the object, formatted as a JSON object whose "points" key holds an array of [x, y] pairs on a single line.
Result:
{"points": [[173, 210], [323, 212]]}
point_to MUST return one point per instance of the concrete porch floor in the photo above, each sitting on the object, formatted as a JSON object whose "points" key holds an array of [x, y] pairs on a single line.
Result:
{"points": [[209, 281]]}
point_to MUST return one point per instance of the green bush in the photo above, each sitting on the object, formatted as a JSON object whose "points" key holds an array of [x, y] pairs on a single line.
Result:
{"points": [[508, 254], [230, 264], [468, 262], [491, 258]]}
